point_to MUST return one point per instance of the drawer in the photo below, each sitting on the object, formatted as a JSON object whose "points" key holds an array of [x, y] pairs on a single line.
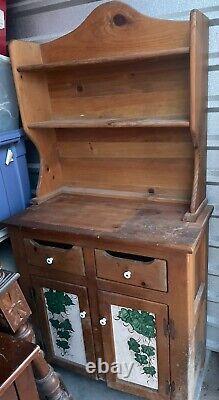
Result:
{"points": [[57, 256], [147, 272]]}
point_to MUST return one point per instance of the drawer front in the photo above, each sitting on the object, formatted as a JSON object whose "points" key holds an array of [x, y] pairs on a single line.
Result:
{"points": [[150, 273], [56, 256]]}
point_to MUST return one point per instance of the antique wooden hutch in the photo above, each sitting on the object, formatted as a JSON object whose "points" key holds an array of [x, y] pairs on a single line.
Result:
{"points": [[113, 254]]}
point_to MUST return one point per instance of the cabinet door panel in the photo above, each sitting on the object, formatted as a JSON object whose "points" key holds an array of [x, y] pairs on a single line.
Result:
{"points": [[137, 344], [64, 319]]}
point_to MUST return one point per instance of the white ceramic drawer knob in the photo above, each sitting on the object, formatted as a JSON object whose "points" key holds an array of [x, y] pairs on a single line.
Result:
{"points": [[103, 321], [83, 314], [49, 260], [127, 274]]}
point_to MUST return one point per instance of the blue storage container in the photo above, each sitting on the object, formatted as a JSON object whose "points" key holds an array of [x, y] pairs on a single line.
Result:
{"points": [[9, 113], [14, 179]]}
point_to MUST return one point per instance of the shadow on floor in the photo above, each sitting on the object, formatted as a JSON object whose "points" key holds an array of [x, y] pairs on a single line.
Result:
{"points": [[87, 389], [210, 388]]}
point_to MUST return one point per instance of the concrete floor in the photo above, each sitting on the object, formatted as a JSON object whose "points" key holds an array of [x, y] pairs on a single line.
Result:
{"points": [[210, 388], [87, 389]]}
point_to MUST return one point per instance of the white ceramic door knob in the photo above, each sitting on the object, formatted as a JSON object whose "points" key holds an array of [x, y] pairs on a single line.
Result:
{"points": [[127, 274], [83, 314], [103, 321], [49, 260]]}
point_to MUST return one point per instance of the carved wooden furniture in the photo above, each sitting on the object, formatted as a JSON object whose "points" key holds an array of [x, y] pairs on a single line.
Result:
{"points": [[16, 375], [14, 315], [113, 255], [14, 310]]}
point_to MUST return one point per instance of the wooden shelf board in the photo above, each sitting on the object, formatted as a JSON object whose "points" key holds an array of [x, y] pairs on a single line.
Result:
{"points": [[104, 60], [85, 122]]}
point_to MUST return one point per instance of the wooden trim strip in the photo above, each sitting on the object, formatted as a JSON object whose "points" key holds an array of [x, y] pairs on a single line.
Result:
{"points": [[22, 367]]}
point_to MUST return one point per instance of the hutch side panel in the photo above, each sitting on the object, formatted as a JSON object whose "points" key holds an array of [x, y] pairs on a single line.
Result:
{"points": [[187, 317], [198, 103]]}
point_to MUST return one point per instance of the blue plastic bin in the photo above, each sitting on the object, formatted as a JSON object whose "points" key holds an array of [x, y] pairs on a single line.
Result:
{"points": [[9, 113], [14, 179]]}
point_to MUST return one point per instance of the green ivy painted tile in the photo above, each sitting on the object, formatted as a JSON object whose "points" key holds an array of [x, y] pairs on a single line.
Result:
{"points": [[134, 333], [64, 321]]}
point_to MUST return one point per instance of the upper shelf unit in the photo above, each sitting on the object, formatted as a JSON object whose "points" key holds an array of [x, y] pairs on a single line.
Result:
{"points": [[119, 104], [177, 52]]}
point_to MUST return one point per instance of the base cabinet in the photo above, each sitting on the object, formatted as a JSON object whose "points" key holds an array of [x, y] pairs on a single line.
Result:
{"points": [[64, 321], [137, 347], [142, 314]]}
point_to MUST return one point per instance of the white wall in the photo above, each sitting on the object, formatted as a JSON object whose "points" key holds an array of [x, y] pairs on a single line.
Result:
{"points": [[45, 20]]}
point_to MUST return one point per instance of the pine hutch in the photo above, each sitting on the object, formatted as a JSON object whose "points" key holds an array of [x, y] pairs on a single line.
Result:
{"points": [[113, 252]]}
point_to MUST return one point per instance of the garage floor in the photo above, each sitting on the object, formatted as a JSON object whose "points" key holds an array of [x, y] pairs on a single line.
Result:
{"points": [[210, 389], [86, 389]]}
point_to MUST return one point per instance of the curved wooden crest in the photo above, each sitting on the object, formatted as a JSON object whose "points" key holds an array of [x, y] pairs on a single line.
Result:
{"points": [[115, 29]]}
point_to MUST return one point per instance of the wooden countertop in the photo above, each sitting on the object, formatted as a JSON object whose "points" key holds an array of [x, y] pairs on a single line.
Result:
{"points": [[115, 220]]}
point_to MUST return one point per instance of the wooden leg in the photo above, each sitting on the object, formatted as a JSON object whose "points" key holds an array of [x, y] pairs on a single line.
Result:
{"points": [[26, 332], [48, 382]]}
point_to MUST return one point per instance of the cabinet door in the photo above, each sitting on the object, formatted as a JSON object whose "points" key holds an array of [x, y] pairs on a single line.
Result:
{"points": [[134, 339], [64, 320]]}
